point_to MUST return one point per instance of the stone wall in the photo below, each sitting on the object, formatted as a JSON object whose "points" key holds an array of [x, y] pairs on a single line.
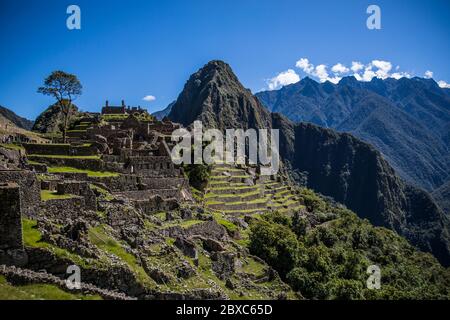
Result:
{"points": [[30, 189], [88, 164], [10, 217], [64, 209], [79, 188], [60, 149], [163, 183], [11, 243], [146, 194], [156, 204]]}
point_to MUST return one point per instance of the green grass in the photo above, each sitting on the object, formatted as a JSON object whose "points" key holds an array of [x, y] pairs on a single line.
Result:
{"points": [[38, 292], [75, 130], [95, 157], [183, 224], [106, 194], [231, 195], [231, 227], [32, 237], [241, 187], [112, 117], [251, 266], [90, 173], [12, 146], [106, 243], [51, 195], [34, 162]]}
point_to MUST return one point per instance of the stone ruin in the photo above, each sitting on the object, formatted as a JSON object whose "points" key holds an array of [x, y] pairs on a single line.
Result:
{"points": [[124, 140], [11, 244]]}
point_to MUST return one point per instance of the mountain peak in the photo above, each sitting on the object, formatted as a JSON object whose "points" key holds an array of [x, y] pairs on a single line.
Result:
{"points": [[215, 96]]}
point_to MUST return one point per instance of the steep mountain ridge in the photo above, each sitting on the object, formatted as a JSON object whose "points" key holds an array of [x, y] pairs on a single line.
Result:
{"points": [[334, 164], [15, 119], [408, 120]]}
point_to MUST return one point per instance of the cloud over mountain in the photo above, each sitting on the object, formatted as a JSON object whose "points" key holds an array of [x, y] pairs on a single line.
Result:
{"points": [[376, 68]]}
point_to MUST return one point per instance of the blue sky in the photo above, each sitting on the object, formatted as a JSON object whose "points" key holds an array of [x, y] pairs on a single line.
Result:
{"points": [[131, 49]]}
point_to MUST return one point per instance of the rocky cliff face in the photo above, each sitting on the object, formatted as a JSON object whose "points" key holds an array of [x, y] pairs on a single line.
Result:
{"points": [[215, 96], [335, 164]]}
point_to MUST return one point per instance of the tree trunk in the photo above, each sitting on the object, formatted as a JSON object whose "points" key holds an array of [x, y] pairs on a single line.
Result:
{"points": [[66, 112]]}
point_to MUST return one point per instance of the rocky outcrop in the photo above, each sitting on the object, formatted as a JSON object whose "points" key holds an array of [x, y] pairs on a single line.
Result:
{"points": [[215, 96], [50, 121]]}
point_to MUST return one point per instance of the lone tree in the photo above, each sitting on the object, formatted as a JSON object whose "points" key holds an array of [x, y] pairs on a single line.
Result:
{"points": [[65, 88]]}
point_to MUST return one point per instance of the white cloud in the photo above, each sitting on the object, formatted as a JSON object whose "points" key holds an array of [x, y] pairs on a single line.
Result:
{"points": [[444, 84], [321, 72], [398, 75], [361, 71], [368, 73], [428, 74], [384, 67], [304, 64], [283, 79], [340, 68], [356, 66], [149, 98]]}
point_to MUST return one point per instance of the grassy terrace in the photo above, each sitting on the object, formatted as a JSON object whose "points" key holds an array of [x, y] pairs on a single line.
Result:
{"points": [[12, 146], [90, 173], [231, 195], [234, 187], [38, 292], [51, 195], [112, 117], [226, 177], [95, 157], [32, 237]]}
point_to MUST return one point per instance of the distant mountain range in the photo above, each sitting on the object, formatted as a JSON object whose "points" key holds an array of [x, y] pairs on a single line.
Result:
{"points": [[407, 120], [335, 164], [20, 122], [163, 113]]}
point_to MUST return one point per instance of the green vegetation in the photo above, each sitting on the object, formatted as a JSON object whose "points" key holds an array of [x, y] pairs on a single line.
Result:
{"points": [[32, 237], [12, 146], [50, 195], [38, 292], [231, 227], [103, 241], [90, 173], [330, 261], [105, 193], [198, 175], [113, 117]]}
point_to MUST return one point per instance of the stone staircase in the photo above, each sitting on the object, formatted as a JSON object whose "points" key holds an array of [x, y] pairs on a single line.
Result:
{"points": [[239, 191]]}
